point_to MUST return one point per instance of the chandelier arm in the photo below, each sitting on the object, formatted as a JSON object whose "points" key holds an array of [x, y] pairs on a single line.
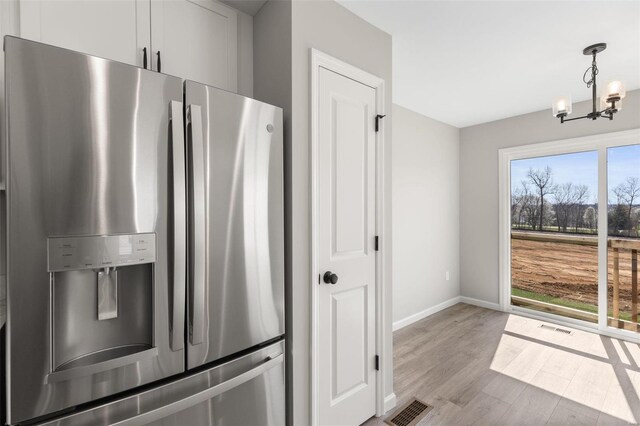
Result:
{"points": [[562, 119], [607, 113]]}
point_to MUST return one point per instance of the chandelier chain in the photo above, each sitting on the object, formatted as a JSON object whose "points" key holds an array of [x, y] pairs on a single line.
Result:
{"points": [[594, 72]]}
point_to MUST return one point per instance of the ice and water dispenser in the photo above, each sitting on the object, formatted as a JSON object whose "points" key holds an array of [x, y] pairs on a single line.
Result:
{"points": [[101, 302]]}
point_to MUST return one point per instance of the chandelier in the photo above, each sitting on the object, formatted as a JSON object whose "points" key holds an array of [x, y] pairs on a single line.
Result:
{"points": [[610, 98]]}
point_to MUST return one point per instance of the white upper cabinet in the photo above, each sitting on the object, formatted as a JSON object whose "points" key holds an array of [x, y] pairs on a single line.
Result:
{"points": [[117, 30], [196, 40]]}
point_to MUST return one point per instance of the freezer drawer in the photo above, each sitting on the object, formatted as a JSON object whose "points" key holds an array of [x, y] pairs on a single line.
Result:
{"points": [[245, 391]]}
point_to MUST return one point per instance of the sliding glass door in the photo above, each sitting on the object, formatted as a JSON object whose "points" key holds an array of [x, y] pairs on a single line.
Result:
{"points": [[554, 242], [570, 231]]}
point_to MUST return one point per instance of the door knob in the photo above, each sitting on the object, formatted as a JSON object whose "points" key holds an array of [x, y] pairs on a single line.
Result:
{"points": [[330, 278]]}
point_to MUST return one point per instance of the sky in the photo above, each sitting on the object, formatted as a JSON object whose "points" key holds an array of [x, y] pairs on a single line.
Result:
{"points": [[582, 168]]}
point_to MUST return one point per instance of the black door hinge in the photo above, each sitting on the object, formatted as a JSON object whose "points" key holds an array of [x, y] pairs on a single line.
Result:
{"points": [[377, 363], [376, 243], [378, 118]]}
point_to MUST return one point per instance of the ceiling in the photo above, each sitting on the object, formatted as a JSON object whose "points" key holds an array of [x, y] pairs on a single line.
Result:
{"points": [[250, 7], [470, 62]]}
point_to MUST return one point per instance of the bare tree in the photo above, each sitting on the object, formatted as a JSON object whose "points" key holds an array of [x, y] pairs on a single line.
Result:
{"points": [[525, 200], [580, 197], [564, 196], [516, 200], [591, 218], [532, 212], [543, 183], [628, 193]]}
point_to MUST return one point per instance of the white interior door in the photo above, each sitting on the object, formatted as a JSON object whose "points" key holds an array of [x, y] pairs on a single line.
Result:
{"points": [[346, 248], [116, 30], [197, 40]]}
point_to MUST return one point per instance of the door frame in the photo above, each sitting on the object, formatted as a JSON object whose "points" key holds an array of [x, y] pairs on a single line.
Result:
{"points": [[599, 143], [319, 60]]}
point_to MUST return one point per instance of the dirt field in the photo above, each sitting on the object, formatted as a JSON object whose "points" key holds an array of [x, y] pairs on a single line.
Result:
{"points": [[567, 271]]}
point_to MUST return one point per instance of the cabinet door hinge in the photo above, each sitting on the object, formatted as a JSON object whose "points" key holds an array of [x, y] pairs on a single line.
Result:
{"points": [[377, 362], [378, 118], [376, 243]]}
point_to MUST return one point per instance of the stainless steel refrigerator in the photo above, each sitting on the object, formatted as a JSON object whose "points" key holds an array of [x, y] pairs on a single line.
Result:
{"points": [[145, 247]]}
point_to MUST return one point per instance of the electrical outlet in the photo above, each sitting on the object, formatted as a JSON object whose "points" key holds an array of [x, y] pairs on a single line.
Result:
{"points": [[447, 275]]}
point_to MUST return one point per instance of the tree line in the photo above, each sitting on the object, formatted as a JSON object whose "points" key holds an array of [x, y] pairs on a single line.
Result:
{"points": [[540, 204]]}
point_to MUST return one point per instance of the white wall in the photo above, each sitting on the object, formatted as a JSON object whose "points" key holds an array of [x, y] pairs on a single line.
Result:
{"points": [[425, 215], [329, 27], [479, 181]]}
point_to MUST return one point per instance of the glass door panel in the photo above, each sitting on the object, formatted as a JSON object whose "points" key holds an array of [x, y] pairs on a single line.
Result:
{"points": [[623, 220], [554, 234]]}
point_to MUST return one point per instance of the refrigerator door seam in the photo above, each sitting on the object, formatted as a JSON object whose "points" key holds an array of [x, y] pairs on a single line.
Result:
{"points": [[197, 250], [179, 226]]}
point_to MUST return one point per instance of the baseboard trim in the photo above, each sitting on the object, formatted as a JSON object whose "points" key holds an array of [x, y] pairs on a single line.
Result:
{"points": [[481, 303], [423, 314], [389, 402]]}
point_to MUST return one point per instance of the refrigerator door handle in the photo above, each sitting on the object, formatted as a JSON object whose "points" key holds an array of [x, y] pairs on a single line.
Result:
{"points": [[197, 225], [179, 226], [205, 395]]}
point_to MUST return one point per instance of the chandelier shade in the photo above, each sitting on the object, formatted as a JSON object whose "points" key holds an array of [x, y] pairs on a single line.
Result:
{"points": [[562, 105]]}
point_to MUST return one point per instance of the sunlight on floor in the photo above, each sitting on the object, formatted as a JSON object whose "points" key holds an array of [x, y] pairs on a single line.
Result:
{"points": [[591, 373]]}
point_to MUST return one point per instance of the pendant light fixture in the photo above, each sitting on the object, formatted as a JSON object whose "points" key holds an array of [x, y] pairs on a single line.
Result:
{"points": [[610, 98]]}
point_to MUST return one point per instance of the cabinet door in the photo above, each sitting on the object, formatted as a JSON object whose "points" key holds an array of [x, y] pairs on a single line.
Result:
{"points": [[197, 40], [116, 30]]}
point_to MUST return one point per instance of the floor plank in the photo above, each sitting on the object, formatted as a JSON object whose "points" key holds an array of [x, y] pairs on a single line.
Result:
{"points": [[534, 406], [565, 416], [483, 367]]}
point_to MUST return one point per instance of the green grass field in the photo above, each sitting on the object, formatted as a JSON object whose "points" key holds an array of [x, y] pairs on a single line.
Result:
{"points": [[555, 229], [572, 231], [563, 302]]}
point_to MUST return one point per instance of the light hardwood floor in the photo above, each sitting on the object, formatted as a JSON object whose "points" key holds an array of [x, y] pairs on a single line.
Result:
{"points": [[483, 367]]}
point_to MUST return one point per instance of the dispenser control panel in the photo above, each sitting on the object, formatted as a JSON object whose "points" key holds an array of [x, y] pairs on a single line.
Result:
{"points": [[74, 253]]}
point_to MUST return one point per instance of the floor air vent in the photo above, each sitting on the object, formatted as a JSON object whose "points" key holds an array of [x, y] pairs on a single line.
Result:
{"points": [[410, 414], [557, 329]]}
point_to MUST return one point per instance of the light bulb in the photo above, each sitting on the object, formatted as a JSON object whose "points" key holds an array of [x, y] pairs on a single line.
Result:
{"points": [[561, 106], [615, 89], [605, 103]]}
